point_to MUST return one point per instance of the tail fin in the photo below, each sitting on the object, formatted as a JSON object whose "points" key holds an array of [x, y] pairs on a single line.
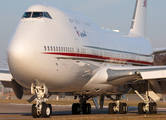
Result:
{"points": [[138, 26]]}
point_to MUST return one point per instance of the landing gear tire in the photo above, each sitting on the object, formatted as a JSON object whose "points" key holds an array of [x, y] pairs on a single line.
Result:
{"points": [[50, 109], [86, 108], [141, 108], [123, 108], [76, 109], [152, 108], [46, 110], [35, 114], [111, 108]]}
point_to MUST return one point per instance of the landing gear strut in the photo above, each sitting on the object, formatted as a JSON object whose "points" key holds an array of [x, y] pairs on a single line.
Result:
{"points": [[117, 106], [82, 106], [40, 93]]}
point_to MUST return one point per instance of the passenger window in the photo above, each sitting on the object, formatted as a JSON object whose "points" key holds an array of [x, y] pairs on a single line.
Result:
{"points": [[51, 48], [48, 48], [45, 48], [56, 48], [37, 14], [27, 15]]}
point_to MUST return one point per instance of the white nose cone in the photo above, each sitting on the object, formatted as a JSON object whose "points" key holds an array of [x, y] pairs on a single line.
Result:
{"points": [[21, 52]]}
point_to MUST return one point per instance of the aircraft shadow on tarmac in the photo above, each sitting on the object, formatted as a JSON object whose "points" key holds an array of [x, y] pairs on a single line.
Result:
{"points": [[131, 110]]}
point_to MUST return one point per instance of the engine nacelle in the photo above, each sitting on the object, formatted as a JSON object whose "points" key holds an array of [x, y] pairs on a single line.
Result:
{"points": [[18, 89]]}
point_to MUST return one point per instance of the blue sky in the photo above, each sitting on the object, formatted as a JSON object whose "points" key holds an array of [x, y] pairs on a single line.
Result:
{"points": [[112, 14]]}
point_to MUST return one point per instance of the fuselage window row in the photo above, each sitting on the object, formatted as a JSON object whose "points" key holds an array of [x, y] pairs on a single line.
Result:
{"points": [[58, 49], [94, 52]]}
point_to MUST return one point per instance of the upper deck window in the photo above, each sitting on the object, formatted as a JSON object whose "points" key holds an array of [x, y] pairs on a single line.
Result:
{"points": [[27, 15]]}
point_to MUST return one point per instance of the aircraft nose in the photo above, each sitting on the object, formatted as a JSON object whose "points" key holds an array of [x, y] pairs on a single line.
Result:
{"points": [[21, 51]]}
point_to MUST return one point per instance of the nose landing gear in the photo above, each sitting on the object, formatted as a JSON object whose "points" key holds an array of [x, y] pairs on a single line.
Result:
{"points": [[45, 112], [40, 93]]}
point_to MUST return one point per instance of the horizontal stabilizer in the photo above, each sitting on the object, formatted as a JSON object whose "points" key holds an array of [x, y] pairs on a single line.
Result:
{"points": [[159, 50]]}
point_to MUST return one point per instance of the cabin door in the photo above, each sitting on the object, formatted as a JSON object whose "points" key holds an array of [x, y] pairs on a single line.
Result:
{"points": [[77, 48]]}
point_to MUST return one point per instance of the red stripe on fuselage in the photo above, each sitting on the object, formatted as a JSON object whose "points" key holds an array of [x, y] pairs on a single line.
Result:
{"points": [[98, 57]]}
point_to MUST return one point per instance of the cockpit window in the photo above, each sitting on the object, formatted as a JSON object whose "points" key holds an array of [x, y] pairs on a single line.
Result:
{"points": [[47, 15], [37, 14], [27, 15]]}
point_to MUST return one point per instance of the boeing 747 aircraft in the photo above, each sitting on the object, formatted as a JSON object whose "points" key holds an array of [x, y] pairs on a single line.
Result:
{"points": [[58, 51]]}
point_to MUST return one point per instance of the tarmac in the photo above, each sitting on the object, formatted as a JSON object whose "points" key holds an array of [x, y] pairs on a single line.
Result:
{"points": [[10, 111]]}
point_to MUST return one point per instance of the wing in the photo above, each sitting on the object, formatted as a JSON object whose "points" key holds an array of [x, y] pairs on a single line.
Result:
{"points": [[120, 75], [5, 77], [123, 74], [159, 50], [131, 76]]}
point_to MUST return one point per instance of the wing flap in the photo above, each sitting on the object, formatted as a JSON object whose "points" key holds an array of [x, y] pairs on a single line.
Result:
{"points": [[157, 74]]}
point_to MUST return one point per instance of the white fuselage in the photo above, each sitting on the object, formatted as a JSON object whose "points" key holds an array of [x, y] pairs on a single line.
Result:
{"points": [[65, 52]]}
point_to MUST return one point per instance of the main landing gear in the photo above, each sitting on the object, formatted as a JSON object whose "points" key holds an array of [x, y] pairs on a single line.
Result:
{"points": [[146, 106], [151, 107], [40, 94], [117, 106], [82, 106]]}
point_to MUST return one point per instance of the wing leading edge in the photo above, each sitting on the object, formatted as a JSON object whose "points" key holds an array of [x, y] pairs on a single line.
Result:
{"points": [[5, 77]]}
